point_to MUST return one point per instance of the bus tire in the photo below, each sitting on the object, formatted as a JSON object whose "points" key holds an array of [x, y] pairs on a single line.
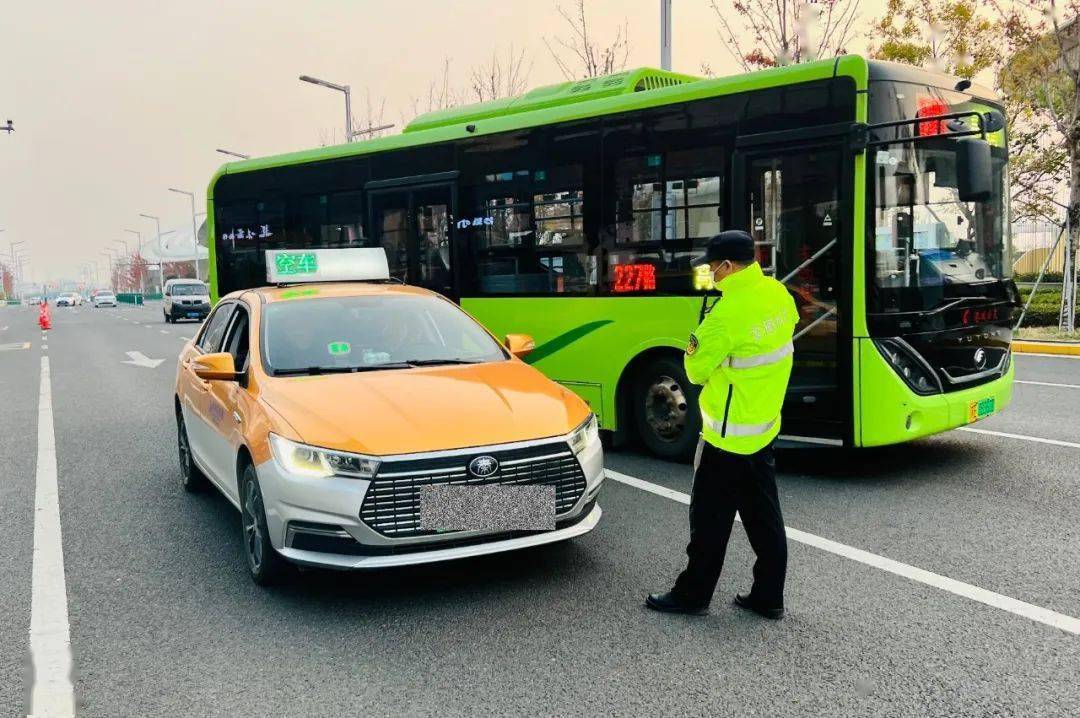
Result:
{"points": [[665, 409]]}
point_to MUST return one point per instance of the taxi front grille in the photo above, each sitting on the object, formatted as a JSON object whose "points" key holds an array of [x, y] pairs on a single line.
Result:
{"points": [[392, 504]]}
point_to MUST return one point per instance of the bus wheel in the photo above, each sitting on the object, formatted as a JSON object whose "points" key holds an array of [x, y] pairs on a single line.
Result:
{"points": [[666, 409]]}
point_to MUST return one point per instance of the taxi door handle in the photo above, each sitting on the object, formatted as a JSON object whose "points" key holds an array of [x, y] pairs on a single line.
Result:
{"points": [[237, 417]]}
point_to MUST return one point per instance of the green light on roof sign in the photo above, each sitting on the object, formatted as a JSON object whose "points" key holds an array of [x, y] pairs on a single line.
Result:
{"points": [[291, 264]]}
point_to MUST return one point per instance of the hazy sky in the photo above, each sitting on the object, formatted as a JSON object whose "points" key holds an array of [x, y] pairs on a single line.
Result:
{"points": [[114, 101]]}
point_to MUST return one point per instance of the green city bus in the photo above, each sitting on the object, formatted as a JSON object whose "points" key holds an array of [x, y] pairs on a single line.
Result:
{"points": [[572, 213]]}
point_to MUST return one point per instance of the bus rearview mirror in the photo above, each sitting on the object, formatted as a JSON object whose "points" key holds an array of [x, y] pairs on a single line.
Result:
{"points": [[973, 170]]}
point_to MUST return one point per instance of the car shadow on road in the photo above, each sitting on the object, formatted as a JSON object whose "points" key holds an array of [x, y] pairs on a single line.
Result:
{"points": [[511, 574]]}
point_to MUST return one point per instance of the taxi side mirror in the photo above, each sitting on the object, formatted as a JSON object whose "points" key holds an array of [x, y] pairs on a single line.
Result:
{"points": [[519, 344], [215, 367]]}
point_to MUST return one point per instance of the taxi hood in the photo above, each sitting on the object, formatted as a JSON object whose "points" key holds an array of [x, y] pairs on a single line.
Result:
{"points": [[400, 411]]}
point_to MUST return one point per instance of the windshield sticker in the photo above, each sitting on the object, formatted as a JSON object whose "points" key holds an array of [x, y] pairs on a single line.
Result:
{"points": [[339, 348], [295, 293]]}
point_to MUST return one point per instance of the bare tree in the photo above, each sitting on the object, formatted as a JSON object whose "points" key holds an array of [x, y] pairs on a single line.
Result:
{"points": [[767, 33], [500, 77], [441, 95], [584, 57]]}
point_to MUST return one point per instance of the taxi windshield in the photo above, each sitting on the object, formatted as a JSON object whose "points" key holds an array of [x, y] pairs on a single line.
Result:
{"points": [[344, 334]]}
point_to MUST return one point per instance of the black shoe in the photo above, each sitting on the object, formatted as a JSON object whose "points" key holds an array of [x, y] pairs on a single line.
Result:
{"points": [[670, 603], [744, 601]]}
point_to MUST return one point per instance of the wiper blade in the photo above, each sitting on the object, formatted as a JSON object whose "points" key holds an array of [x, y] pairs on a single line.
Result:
{"points": [[317, 370], [436, 362], [957, 302]]}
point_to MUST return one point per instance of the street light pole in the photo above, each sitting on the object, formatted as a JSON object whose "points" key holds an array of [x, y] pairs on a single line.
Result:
{"points": [[112, 274], [194, 229], [161, 269], [14, 264], [348, 101], [665, 34]]}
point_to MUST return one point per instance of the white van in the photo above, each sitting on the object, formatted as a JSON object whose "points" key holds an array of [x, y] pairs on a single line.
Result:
{"points": [[186, 299]]}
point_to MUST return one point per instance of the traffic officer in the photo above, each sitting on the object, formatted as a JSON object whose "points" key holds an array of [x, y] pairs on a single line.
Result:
{"points": [[741, 355]]}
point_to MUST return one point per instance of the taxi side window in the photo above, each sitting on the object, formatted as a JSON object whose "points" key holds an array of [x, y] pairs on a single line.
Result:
{"points": [[237, 341], [215, 328]]}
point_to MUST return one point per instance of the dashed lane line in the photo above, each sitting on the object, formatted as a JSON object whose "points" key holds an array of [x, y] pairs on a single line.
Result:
{"points": [[1022, 437], [913, 573], [1047, 383], [50, 636]]}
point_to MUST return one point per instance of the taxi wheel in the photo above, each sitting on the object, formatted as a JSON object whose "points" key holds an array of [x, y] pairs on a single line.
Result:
{"points": [[192, 479], [666, 409], [265, 565]]}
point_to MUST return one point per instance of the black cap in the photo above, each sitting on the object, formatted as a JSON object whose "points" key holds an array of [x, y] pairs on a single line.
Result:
{"points": [[733, 244]]}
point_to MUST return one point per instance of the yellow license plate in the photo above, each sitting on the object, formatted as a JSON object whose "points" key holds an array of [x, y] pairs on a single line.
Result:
{"points": [[980, 409]]}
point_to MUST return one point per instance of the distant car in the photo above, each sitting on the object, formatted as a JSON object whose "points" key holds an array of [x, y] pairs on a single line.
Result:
{"points": [[185, 299], [68, 299], [104, 299]]}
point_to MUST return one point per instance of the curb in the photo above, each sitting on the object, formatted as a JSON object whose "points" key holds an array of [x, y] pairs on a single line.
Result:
{"points": [[1022, 346]]}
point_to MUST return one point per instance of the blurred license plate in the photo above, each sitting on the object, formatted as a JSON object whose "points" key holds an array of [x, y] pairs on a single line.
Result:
{"points": [[193, 315], [487, 508], [980, 409]]}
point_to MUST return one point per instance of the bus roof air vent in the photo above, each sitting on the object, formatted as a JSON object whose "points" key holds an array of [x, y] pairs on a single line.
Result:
{"points": [[564, 93]]}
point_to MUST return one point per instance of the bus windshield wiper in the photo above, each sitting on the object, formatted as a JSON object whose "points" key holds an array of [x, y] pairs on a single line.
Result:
{"points": [[958, 301], [317, 370], [436, 362]]}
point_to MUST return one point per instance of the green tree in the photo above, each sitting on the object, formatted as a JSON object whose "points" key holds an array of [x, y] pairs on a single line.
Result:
{"points": [[949, 35]]}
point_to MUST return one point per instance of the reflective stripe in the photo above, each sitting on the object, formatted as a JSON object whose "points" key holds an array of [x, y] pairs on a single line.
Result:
{"points": [[761, 359], [737, 429]]}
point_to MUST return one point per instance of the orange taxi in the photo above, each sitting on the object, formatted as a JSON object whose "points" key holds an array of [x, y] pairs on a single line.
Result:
{"points": [[347, 419]]}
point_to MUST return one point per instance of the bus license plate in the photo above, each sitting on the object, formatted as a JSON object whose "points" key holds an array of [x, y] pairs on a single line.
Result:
{"points": [[980, 409]]}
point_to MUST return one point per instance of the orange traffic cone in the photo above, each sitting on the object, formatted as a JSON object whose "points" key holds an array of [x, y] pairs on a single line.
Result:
{"points": [[44, 316]]}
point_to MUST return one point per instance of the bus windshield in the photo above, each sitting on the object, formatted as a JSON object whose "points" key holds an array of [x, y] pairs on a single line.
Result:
{"points": [[928, 246]]}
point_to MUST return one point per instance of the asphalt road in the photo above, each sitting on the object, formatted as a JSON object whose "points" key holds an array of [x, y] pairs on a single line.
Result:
{"points": [[164, 621]]}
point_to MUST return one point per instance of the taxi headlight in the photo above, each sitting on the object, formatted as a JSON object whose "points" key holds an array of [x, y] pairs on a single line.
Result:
{"points": [[296, 458], [585, 435]]}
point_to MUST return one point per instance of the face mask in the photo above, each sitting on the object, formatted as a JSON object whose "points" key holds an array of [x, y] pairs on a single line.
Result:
{"points": [[714, 277]]}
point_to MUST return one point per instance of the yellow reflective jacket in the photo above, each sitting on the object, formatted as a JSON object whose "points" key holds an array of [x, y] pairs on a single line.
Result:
{"points": [[742, 356]]}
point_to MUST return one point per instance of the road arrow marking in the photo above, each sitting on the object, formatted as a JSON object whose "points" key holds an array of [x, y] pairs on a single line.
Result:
{"points": [[140, 359]]}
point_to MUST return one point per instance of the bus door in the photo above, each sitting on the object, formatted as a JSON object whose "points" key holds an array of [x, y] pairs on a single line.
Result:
{"points": [[789, 199], [413, 225]]}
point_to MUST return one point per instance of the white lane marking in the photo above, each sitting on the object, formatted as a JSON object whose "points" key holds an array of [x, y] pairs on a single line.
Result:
{"points": [[140, 359], [1047, 383], [50, 637], [959, 588], [44, 347], [1022, 437], [187, 339], [163, 331]]}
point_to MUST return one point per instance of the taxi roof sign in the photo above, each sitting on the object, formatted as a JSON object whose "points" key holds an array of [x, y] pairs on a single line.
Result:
{"points": [[354, 264]]}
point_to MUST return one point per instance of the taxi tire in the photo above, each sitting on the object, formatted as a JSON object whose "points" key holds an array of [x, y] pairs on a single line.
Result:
{"points": [[667, 371], [191, 477], [271, 568]]}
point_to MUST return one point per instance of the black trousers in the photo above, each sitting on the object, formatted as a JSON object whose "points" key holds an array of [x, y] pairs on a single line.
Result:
{"points": [[723, 484]]}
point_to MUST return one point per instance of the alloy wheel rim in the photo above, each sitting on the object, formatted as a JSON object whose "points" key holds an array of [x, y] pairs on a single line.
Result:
{"points": [[252, 527], [666, 408]]}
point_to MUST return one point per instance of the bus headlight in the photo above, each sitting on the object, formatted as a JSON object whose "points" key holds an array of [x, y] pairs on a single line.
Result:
{"points": [[585, 435], [304, 460], [912, 368]]}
